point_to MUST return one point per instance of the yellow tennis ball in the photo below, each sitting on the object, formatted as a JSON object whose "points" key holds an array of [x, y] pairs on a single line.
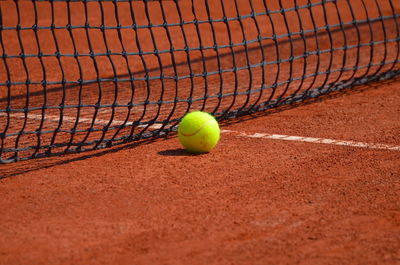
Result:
{"points": [[198, 132]]}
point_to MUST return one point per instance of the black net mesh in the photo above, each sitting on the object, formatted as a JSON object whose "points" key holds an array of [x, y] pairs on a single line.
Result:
{"points": [[81, 75]]}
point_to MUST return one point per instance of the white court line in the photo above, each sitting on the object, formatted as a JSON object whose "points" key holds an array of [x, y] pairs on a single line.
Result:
{"points": [[318, 140], [56, 118]]}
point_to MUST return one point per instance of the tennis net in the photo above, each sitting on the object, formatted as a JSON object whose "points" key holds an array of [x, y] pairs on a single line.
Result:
{"points": [[88, 74]]}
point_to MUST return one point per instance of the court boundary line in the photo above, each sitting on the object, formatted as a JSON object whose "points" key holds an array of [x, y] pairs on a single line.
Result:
{"points": [[305, 139]]}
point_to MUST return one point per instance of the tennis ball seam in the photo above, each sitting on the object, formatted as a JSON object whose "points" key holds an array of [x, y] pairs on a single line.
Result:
{"points": [[197, 131]]}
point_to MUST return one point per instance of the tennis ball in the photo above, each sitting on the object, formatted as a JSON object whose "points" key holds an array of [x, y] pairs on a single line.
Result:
{"points": [[198, 132]]}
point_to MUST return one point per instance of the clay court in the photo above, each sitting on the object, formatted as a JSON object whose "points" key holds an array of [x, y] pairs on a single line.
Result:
{"points": [[307, 94]]}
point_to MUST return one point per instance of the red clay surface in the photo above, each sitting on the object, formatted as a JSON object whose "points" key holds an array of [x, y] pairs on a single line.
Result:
{"points": [[249, 201]]}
